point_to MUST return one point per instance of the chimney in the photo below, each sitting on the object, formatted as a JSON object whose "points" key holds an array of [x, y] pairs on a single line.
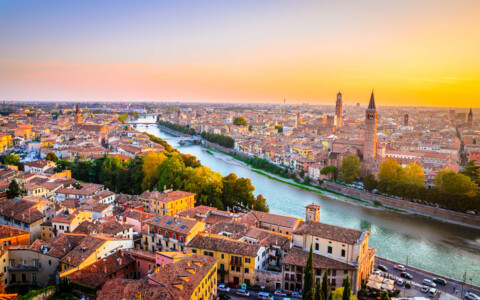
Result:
{"points": [[120, 261]]}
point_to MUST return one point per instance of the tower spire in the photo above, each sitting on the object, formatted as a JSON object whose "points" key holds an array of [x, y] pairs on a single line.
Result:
{"points": [[371, 104]]}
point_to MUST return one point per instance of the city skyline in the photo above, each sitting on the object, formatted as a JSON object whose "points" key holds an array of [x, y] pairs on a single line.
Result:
{"points": [[413, 54]]}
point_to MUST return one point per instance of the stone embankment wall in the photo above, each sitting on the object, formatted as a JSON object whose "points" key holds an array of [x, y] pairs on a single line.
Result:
{"points": [[174, 132], [437, 213]]}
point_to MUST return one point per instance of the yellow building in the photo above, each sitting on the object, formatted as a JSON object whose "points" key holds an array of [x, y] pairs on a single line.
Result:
{"points": [[236, 260], [13, 236], [167, 202], [5, 141]]}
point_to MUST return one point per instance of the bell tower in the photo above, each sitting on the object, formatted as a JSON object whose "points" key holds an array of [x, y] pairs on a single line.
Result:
{"points": [[313, 212], [78, 116], [339, 110], [470, 119], [370, 143]]}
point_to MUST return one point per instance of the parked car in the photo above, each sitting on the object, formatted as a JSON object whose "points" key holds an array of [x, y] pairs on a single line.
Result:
{"points": [[377, 272], [296, 294], [243, 293], [383, 268], [408, 284], [406, 275], [400, 281], [399, 267], [392, 277], [440, 281], [432, 292], [223, 297], [279, 293], [425, 289], [429, 283], [223, 288], [264, 296], [471, 296]]}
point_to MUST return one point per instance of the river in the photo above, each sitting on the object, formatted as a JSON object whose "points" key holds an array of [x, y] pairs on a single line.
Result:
{"points": [[429, 244]]}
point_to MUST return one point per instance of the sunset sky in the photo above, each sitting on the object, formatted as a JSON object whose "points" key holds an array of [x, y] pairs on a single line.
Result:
{"points": [[412, 52]]}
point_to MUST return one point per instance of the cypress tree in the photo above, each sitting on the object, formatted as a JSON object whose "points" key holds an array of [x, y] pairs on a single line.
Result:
{"points": [[346, 290], [325, 287], [318, 292], [308, 281], [13, 190]]}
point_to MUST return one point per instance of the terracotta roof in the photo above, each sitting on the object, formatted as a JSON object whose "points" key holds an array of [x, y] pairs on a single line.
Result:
{"points": [[222, 244], [178, 273], [284, 221], [110, 226], [298, 257], [174, 224], [95, 274], [10, 231], [20, 210], [167, 196], [330, 232], [131, 289]]}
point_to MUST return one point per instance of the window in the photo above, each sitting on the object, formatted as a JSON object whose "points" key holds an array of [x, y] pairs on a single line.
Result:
{"points": [[138, 263], [334, 272], [247, 270], [222, 255], [247, 260], [329, 249], [343, 252], [34, 277], [232, 268], [194, 250], [317, 246]]}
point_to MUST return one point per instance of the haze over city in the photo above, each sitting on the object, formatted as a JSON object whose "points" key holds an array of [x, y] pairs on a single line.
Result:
{"points": [[422, 53]]}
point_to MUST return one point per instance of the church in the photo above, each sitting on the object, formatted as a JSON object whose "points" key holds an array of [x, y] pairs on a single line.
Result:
{"points": [[367, 150]]}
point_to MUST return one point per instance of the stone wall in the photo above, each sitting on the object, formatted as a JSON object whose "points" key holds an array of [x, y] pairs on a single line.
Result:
{"points": [[437, 213], [272, 280]]}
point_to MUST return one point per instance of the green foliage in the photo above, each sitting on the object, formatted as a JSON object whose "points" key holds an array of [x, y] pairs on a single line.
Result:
{"points": [[260, 204], [338, 293], [318, 292], [472, 171], [279, 128], [51, 156], [350, 168], [220, 139], [12, 159], [456, 183], [240, 121], [177, 127], [122, 118], [369, 182], [346, 290], [325, 286], [308, 291], [13, 190], [34, 293], [384, 296]]}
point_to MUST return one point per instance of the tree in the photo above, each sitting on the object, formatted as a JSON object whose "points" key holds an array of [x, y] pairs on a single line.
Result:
{"points": [[472, 171], [260, 204], [13, 190], [170, 173], [325, 287], [346, 290], [413, 174], [122, 118], [329, 170], [338, 294], [384, 296], [456, 183], [240, 121], [350, 168], [279, 128], [12, 159], [369, 182], [151, 162], [390, 170], [51, 156], [318, 292], [308, 279]]}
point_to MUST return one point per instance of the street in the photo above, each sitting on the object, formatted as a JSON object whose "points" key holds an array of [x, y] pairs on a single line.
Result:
{"points": [[417, 281]]}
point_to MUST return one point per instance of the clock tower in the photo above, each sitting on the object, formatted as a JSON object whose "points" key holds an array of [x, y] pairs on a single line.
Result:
{"points": [[339, 110], [370, 143]]}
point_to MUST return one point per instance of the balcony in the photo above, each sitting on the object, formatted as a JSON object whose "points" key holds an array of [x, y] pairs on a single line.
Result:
{"points": [[223, 271], [236, 262], [166, 238], [23, 268], [22, 283]]}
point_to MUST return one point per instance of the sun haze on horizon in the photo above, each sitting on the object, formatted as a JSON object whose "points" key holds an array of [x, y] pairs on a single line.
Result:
{"points": [[415, 53]]}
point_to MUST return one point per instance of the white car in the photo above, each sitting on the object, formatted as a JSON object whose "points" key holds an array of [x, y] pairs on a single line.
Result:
{"points": [[429, 283], [399, 267], [296, 295], [242, 292], [279, 293], [223, 288]]}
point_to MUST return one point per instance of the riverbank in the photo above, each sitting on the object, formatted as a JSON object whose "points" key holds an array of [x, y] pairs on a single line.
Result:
{"points": [[373, 201]]}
